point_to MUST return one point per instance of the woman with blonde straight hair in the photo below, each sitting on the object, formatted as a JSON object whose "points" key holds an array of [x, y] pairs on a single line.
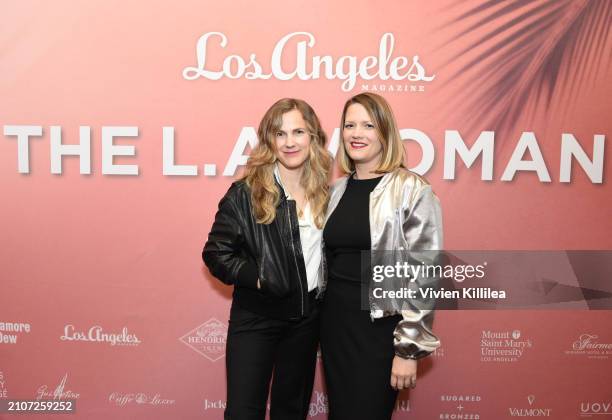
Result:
{"points": [[379, 207], [266, 241]]}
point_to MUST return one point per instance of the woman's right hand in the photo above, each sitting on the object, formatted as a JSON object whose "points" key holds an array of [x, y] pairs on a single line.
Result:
{"points": [[258, 285]]}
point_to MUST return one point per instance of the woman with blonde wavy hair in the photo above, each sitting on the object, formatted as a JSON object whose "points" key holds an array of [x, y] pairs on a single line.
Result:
{"points": [[266, 241]]}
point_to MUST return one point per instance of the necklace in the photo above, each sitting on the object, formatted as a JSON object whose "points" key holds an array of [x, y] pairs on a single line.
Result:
{"points": [[300, 209]]}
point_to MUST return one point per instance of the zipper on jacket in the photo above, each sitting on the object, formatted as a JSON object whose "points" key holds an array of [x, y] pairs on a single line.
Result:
{"points": [[294, 257]]}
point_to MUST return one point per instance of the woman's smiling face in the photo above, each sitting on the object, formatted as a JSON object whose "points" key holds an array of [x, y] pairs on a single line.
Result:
{"points": [[360, 137], [292, 140]]}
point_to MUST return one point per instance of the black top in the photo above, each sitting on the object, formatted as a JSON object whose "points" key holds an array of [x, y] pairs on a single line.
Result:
{"points": [[347, 232]]}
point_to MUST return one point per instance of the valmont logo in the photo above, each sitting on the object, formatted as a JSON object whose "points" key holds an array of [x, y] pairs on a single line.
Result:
{"points": [[347, 68], [530, 411], [208, 339]]}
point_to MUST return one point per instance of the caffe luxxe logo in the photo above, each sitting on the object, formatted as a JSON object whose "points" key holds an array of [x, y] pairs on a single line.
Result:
{"points": [[347, 68]]}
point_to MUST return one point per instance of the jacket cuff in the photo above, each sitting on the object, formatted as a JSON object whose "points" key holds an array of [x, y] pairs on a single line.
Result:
{"points": [[414, 340], [247, 275], [412, 356]]}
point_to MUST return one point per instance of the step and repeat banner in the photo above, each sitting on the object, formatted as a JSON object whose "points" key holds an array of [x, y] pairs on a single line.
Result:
{"points": [[123, 124]]}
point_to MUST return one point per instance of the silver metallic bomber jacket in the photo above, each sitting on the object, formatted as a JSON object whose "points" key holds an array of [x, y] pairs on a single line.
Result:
{"points": [[402, 202]]}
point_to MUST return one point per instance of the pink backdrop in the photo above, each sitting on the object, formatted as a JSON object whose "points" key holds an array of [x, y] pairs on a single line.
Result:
{"points": [[122, 252]]}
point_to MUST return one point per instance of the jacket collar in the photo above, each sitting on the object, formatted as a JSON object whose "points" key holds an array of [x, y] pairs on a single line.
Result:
{"points": [[279, 185], [279, 182]]}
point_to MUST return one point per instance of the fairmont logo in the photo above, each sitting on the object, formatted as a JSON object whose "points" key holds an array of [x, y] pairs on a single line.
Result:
{"points": [[97, 334], [589, 346], [384, 66], [208, 339]]}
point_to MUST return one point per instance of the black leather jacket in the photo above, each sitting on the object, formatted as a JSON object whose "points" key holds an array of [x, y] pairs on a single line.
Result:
{"points": [[239, 251]]}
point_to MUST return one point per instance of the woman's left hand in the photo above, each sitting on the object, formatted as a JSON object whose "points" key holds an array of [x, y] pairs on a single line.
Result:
{"points": [[403, 373]]}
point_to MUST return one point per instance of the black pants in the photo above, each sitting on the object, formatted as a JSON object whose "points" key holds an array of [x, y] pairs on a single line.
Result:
{"points": [[259, 347]]}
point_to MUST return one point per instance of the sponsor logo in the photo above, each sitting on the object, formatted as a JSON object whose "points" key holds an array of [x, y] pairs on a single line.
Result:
{"points": [[463, 407], [383, 66], [59, 393], [589, 408], [503, 346], [122, 400], [208, 339], [214, 404], [318, 404], [588, 345], [9, 331], [98, 335], [3, 390], [531, 410]]}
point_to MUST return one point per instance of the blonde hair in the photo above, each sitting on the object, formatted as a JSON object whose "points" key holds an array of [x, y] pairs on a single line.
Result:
{"points": [[386, 128], [259, 172]]}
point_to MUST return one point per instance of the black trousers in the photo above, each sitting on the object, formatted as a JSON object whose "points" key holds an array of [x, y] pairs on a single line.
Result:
{"points": [[260, 349]]}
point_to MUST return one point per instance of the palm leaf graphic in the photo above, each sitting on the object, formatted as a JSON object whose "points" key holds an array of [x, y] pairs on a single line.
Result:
{"points": [[528, 52]]}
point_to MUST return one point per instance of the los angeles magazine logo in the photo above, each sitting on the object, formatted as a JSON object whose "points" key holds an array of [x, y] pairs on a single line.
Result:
{"points": [[98, 334], [407, 72]]}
